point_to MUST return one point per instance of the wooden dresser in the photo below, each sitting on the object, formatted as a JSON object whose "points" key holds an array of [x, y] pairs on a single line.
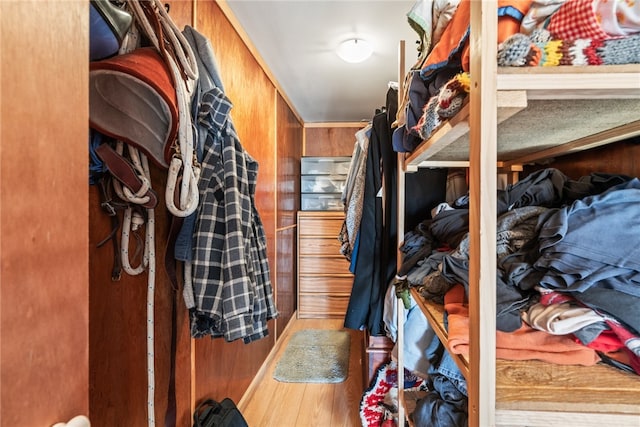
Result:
{"points": [[324, 279]]}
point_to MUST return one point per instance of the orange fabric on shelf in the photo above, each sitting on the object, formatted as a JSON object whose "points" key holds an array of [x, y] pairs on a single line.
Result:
{"points": [[454, 39], [524, 344], [508, 25]]}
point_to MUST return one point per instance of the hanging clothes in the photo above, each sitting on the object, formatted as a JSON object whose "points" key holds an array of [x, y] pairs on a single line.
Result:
{"points": [[375, 266], [228, 290], [353, 194], [375, 261], [364, 299]]}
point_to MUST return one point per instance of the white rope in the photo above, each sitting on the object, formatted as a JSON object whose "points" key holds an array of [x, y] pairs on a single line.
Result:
{"points": [[139, 160], [185, 153], [132, 220], [131, 223], [150, 317], [124, 251], [191, 203], [182, 47]]}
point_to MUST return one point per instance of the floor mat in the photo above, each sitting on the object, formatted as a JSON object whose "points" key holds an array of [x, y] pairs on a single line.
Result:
{"points": [[315, 356]]}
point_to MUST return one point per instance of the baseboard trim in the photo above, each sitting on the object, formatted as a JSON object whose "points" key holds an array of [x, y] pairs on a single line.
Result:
{"points": [[248, 394]]}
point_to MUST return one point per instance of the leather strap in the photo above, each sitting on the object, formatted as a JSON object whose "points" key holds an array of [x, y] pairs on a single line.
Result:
{"points": [[110, 207], [171, 413], [169, 258], [170, 267], [124, 172], [170, 249]]}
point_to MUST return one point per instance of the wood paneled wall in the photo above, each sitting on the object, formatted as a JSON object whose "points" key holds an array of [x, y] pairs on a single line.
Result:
{"points": [[328, 140], [44, 333], [226, 369], [118, 331], [622, 157], [206, 368], [289, 137]]}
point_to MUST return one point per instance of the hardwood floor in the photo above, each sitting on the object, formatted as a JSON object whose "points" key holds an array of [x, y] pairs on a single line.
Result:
{"points": [[270, 403]]}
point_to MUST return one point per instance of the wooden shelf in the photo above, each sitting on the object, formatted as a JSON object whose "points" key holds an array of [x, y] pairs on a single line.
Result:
{"points": [[535, 393], [516, 116], [543, 112], [435, 315]]}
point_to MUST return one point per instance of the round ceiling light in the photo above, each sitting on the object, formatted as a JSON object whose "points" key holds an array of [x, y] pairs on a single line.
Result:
{"points": [[354, 50]]}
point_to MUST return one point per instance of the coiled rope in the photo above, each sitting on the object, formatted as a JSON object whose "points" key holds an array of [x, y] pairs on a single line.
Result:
{"points": [[175, 49]]}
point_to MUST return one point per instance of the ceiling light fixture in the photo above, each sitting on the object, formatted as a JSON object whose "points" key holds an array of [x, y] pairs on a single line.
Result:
{"points": [[354, 50]]}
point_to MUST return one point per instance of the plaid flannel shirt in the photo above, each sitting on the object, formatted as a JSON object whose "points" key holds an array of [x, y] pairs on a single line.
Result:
{"points": [[231, 279]]}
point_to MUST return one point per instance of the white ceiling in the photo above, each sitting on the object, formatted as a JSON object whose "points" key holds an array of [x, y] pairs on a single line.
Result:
{"points": [[297, 41]]}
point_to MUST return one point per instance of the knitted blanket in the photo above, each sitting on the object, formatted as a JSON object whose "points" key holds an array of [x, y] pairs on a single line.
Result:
{"points": [[540, 49]]}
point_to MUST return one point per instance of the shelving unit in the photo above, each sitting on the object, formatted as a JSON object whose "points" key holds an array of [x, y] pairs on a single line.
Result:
{"points": [[517, 116], [322, 181], [523, 388], [602, 111], [324, 279]]}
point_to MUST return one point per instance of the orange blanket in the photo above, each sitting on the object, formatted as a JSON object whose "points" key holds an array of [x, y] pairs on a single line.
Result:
{"points": [[524, 344], [454, 39]]}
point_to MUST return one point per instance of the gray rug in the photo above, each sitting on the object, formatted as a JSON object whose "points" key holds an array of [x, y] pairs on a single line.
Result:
{"points": [[315, 356]]}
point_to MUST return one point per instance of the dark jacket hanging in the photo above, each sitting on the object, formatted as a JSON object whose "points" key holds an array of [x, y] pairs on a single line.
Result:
{"points": [[375, 262]]}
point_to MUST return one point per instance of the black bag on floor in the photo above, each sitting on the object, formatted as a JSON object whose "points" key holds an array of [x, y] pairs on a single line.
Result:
{"points": [[218, 414]]}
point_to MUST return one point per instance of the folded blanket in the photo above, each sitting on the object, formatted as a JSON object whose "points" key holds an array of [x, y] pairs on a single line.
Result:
{"points": [[523, 344]]}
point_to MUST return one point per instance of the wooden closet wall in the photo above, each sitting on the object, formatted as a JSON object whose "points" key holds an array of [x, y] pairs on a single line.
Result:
{"points": [[272, 133], [73, 341], [44, 268], [330, 139]]}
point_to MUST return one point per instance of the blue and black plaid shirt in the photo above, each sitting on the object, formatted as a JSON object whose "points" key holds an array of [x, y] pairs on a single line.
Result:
{"points": [[231, 279]]}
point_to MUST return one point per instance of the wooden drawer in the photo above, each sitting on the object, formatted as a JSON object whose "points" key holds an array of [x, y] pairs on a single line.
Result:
{"points": [[325, 226], [322, 306], [323, 265], [319, 246], [328, 285], [378, 342]]}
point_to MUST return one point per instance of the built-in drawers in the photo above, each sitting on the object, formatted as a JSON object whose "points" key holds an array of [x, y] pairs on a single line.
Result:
{"points": [[324, 279]]}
